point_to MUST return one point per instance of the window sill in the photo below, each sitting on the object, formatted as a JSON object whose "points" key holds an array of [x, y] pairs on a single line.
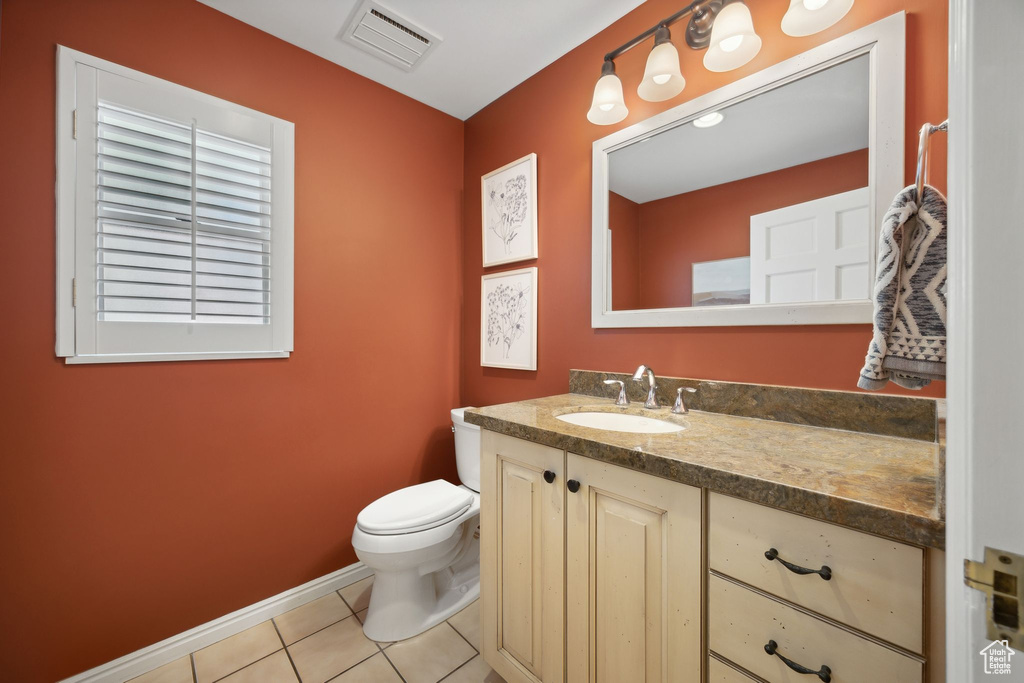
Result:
{"points": [[162, 357]]}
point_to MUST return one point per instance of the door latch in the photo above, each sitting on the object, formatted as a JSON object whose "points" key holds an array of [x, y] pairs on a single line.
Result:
{"points": [[1001, 578]]}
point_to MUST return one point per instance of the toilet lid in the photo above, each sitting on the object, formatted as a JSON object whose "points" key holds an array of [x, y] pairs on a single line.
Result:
{"points": [[415, 508]]}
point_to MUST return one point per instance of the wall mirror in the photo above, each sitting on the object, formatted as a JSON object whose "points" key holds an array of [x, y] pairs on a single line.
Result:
{"points": [[758, 203]]}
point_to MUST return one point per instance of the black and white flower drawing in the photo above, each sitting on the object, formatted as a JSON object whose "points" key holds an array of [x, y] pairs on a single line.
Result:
{"points": [[507, 204], [507, 310]]}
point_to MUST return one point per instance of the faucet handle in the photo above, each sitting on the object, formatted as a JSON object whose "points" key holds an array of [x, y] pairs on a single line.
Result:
{"points": [[680, 408], [621, 400]]}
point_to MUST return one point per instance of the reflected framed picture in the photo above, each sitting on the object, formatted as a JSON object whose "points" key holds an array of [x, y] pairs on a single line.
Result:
{"points": [[508, 319], [725, 282], [509, 205]]}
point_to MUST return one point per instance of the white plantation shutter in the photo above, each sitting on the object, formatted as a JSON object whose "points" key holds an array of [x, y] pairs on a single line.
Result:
{"points": [[151, 267], [183, 242]]}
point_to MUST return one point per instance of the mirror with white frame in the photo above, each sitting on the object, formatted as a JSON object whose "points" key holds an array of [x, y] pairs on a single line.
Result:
{"points": [[758, 203]]}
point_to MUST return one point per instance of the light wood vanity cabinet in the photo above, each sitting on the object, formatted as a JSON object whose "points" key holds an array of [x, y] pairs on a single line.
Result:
{"points": [[866, 622], [594, 573], [626, 548], [719, 672], [876, 585]]}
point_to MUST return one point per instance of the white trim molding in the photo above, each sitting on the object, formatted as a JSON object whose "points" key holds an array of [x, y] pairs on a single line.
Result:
{"points": [[885, 42], [175, 647]]}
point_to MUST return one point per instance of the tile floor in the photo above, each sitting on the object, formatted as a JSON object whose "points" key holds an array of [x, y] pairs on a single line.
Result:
{"points": [[323, 641]]}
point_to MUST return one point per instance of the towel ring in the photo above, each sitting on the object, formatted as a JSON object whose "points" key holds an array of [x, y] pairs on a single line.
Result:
{"points": [[922, 156]]}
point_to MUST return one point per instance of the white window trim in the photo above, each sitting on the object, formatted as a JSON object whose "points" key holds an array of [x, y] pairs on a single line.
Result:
{"points": [[284, 215]]}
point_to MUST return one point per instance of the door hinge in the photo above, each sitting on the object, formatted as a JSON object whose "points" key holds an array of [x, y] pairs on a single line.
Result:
{"points": [[74, 292], [1001, 578], [74, 124]]}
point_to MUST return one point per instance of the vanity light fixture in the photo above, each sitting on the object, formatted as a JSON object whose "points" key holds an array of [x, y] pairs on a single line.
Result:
{"points": [[662, 78], [805, 17], [724, 25], [711, 119]]}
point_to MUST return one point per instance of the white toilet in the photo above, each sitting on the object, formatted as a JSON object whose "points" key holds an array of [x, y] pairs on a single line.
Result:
{"points": [[423, 545]]}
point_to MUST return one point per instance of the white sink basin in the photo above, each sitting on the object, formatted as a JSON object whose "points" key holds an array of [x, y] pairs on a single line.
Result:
{"points": [[621, 422]]}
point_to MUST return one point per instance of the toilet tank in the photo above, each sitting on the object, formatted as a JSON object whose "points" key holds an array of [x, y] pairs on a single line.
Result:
{"points": [[467, 449]]}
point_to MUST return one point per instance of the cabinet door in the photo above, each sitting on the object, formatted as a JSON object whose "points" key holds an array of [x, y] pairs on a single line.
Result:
{"points": [[633, 576], [522, 559]]}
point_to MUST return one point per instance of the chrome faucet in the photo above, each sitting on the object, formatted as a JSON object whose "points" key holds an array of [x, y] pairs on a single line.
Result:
{"points": [[621, 400], [652, 400]]}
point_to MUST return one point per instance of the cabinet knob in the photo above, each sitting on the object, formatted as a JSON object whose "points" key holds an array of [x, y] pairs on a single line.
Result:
{"points": [[573, 485], [549, 476]]}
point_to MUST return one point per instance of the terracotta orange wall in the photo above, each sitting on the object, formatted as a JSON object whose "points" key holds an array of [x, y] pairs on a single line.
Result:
{"points": [[714, 223], [624, 222], [140, 500], [547, 114]]}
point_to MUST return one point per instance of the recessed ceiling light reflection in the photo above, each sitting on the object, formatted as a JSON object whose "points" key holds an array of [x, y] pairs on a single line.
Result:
{"points": [[708, 120]]}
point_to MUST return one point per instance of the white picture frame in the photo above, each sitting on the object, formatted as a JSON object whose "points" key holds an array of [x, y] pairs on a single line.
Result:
{"points": [[508, 319], [508, 202]]}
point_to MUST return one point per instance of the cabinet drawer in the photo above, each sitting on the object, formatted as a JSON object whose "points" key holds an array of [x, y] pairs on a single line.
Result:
{"points": [[741, 622], [876, 586], [723, 673]]}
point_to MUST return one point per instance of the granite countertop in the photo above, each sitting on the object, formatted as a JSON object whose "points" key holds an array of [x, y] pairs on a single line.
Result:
{"points": [[884, 485]]}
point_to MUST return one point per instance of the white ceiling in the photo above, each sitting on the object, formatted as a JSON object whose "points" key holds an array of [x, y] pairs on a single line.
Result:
{"points": [[819, 116], [488, 46]]}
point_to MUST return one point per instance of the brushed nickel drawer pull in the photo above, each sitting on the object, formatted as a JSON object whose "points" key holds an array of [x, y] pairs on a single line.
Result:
{"points": [[824, 673], [825, 572]]}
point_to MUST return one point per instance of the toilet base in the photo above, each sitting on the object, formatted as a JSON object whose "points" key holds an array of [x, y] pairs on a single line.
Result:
{"points": [[405, 603]]}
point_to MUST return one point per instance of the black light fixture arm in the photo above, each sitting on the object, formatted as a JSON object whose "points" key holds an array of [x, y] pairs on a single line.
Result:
{"points": [[698, 32]]}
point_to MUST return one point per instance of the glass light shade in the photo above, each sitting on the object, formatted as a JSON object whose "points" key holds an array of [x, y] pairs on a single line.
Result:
{"points": [[662, 78], [733, 41], [608, 106], [805, 17]]}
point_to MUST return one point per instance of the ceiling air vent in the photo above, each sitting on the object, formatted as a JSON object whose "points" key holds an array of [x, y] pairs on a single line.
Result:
{"points": [[387, 35]]}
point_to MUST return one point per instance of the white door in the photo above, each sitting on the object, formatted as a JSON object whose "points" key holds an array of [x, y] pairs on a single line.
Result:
{"points": [[814, 251], [985, 388]]}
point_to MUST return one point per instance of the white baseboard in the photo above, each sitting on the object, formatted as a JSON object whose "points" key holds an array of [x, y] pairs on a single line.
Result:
{"points": [[149, 658]]}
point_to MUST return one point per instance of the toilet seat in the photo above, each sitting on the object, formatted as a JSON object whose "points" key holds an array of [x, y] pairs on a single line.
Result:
{"points": [[415, 508]]}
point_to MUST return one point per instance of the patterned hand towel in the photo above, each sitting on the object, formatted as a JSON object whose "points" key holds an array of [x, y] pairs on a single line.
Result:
{"points": [[908, 343]]}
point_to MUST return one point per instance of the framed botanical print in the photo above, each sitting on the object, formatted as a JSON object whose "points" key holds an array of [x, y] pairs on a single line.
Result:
{"points": [[509, 203], [508, 319]]}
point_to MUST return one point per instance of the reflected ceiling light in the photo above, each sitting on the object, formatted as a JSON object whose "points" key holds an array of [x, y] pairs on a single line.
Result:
{"points": [[733, 41], [805, 17], [608, 106], [708, 120], [662, 78]]}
